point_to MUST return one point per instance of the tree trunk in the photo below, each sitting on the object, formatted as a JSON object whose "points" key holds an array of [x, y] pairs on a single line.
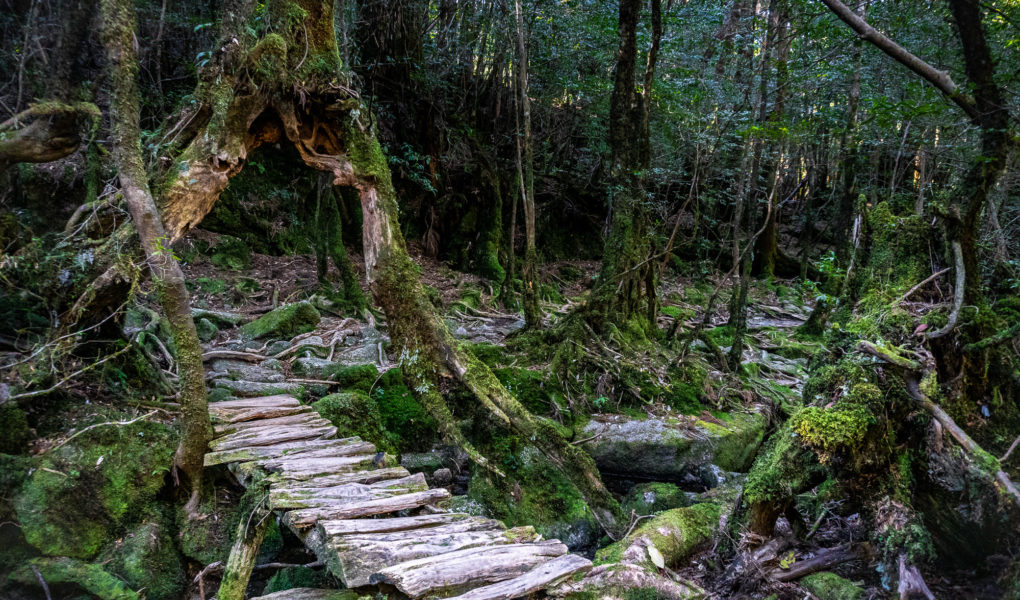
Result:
{"points": [[119, 39], [526, 173]]}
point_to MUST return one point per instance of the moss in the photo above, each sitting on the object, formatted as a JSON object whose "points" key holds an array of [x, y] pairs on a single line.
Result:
{"points": [[207, 540], [147, 558], [491, 354], [828, 430], [410, 425], [783, 466], [533, 389], [14, 430], [829, 586], [359, 378], [284, 322], [119, 468], [676, 534], [533, 493], [93, 578], [356, 414], [206, 329], [231, 253], [295, 577], [649, 498]]}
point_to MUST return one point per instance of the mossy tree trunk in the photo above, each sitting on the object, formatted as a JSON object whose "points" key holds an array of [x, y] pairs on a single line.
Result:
{"points": [[332, 132], [119, 38], [628, 274], [526, 172]]}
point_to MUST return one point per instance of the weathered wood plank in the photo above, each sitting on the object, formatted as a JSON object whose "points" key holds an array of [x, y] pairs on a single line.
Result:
{"points": [[258, 402], [335, 451], [240, 415], [464, 569], [335, 479], [299, 468], [354, 559], [339, 527], [285, 496], [303, 418], [544, 575], [309, 594], [307, 517], [274, 451], [269, 436]]}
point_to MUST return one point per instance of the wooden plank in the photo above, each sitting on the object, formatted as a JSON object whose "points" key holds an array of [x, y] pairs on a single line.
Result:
{"points": [[299, 468], [295, 419], [307, 517], [370, 476], [273, 451], [544, 575], [354, 559], [338, 527], [258, 402], [337, 450], [465, 569], [270, 436], [240, 415], [284, 496], [308, 594]]}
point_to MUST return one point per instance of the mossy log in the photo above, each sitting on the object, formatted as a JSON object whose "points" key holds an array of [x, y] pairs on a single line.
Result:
{"points": [[45, 132]]}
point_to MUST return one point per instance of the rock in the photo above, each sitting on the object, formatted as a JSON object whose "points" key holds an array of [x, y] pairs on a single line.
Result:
{"points": [[247, 371], [62, 570], [88, 491], [284, 322], [355, 414], [277, 347], [313, 367], [259, 388], [442, 477], [670, 448], [217, 317], [206, 329], [147, 558], [829, 586], [649, 498]]}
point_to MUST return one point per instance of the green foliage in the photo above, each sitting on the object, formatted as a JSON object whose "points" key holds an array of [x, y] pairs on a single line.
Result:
{"points": [[402, 414], [829, 430], [96, 580], [295, 577]]}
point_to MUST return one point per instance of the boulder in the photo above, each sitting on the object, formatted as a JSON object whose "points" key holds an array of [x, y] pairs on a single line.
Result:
{"points": [[673, 447], [284, 322]]}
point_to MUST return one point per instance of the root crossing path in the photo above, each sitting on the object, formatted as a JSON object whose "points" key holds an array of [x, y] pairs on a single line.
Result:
{"points": [[371, 522]]}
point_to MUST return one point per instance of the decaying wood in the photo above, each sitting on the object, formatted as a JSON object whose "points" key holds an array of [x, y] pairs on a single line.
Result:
{"points": [[257, 452], [369, 476], [281, 497], [357, 557], [307, 517], [820, 562], [911, 582], [251, 414], [468, 568], [333, 528], [278, 400], [302, 418], [542, 576], [306, 468], [233, 355], [268, 436]]}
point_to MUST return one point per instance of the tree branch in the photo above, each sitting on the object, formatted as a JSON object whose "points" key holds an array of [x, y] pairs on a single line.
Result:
{"points": [[940, 79]]}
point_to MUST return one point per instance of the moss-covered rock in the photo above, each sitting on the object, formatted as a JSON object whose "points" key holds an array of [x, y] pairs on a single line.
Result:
{"points": [[91, 577], [147, 558], [355, 414], [207, 330], [295, 577], [649, 498], [284, 322], [87, 491], [534, 493], [829, 586], [14, 430], [671, 447], [231, 253], [676, 534]]}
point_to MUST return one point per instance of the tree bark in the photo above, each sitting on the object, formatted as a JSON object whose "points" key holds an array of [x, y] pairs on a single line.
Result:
{"points": [[526, 173], [119, 39]]}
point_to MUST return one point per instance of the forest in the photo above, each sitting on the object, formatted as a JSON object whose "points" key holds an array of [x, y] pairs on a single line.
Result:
{"points": [[493, 299]]}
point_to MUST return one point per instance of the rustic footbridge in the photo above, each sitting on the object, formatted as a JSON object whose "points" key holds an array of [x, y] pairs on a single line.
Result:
{"points": [[371, 522]]}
